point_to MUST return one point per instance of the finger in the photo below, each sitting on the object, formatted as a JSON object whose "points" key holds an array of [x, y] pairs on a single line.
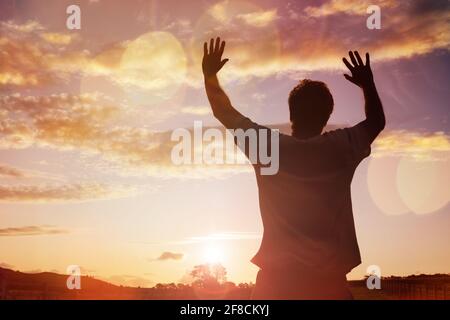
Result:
{"points": [[367, 59], [205, 48], [358, 57], [211, 46], [349, 78], [222, 48], [217, 47], [223, 62], [349, 66], [352, 57]]}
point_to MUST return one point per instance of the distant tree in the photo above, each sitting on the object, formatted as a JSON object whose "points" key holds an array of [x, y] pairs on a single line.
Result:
{"points": [[207, 275], [244, 285], [160, 286], [230, 284], [182, 286], [171, 286]]}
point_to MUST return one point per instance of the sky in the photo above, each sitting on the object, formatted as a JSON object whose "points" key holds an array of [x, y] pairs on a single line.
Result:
{"points": [[86, 176]]}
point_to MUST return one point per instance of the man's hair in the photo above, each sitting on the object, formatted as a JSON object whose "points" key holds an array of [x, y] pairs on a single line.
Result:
{"points": [[310, 105]]}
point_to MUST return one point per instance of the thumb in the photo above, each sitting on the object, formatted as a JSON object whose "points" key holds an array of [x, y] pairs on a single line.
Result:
{"points": [[223, 62], [349, 78]]}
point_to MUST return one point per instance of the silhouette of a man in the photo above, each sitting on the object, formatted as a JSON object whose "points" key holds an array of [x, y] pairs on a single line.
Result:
{"points": [[309, 242]]}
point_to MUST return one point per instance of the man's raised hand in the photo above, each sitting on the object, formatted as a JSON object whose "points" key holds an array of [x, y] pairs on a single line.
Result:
{"points": [[212, 58], [361, 74]]}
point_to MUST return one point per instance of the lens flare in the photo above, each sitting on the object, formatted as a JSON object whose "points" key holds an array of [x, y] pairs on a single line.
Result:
{"points": [[382, 185], [147, 70], [423, 185]]}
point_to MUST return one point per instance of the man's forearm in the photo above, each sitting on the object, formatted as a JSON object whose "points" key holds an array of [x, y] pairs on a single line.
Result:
{"points": [[220, 103], [374, 110]]}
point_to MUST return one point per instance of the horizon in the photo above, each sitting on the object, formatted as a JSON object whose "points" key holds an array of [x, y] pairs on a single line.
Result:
{"points": [[190, 283]]}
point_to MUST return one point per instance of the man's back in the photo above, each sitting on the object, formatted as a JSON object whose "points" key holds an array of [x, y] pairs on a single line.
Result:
{"points": [[306, 207]]}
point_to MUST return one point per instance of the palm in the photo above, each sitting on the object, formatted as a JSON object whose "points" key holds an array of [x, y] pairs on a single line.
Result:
{"points": [[361, 74], [212, 58]]}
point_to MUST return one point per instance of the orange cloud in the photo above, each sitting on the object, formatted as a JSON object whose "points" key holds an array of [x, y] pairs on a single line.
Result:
{"points": [[261, 42], [196, 110], [28, 51], [61, 192], [170, 256], [358, 7], [87, 123], [22, 64], [31, 231], [58, 38], [259, 19], [420, 146], [32, 56], [312, 38], [7, 171]]}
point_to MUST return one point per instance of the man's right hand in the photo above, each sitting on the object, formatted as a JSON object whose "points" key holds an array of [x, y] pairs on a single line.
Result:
{"points": [[212, 58], [361, 74]]}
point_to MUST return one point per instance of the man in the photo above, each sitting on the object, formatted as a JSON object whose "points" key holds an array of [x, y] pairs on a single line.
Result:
{"points": [[309, 242]]}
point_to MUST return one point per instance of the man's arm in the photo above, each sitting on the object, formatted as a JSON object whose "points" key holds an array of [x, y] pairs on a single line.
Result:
{"points": [[362, 76], [218, 99]]}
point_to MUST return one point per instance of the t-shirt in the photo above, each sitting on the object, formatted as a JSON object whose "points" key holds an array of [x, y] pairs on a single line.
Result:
{"points": [[306, 207]]}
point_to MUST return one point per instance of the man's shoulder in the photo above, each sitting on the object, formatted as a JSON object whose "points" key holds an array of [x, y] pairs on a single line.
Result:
{"points": [[337, 136]]}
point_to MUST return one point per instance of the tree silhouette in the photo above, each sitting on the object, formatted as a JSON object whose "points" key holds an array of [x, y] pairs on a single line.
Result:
{"points": [[209, 275]]}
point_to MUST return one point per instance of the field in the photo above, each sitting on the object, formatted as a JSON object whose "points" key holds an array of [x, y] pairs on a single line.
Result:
{"points": [[16, 285]]}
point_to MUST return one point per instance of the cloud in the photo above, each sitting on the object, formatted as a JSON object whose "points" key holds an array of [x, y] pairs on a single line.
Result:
{"points": [[425, 6], [44, 193], [6, 265], [261, 43], [24, 56], [22, 64], [27, 27], [7, 171], [358, 7], [258, 96], [61, 120], [218, 11], [31, 231], [170, 256], [164, 70], [58, 38], [32, 56], [308, 38], [88, 124], [196, 110], [259, 19], [432, 146]]}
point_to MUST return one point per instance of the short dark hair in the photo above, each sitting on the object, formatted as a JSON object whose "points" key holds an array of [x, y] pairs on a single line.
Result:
{"points": [[310, 105]]}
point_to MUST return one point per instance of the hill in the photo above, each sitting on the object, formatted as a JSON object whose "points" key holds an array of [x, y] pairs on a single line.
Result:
{"points": [[48, 285]]}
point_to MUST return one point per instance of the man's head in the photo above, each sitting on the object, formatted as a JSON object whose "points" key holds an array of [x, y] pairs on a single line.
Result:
{"points": [[310, 106]]}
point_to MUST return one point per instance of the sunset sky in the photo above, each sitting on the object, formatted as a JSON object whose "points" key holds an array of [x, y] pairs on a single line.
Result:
{"points": [[86, 115]]}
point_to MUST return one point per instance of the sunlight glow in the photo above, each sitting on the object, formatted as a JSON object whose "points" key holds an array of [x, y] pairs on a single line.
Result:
{"points": [[213, 254]]}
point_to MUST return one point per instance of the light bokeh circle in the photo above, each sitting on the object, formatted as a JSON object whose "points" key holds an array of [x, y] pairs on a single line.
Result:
{"points": [[423, 185], [399, 185]]}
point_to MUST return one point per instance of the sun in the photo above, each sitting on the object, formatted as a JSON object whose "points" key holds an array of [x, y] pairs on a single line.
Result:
{"points": [[213, 254]]}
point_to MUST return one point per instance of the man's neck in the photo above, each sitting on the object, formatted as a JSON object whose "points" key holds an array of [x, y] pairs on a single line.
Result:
{"points": [[302, 135]]}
